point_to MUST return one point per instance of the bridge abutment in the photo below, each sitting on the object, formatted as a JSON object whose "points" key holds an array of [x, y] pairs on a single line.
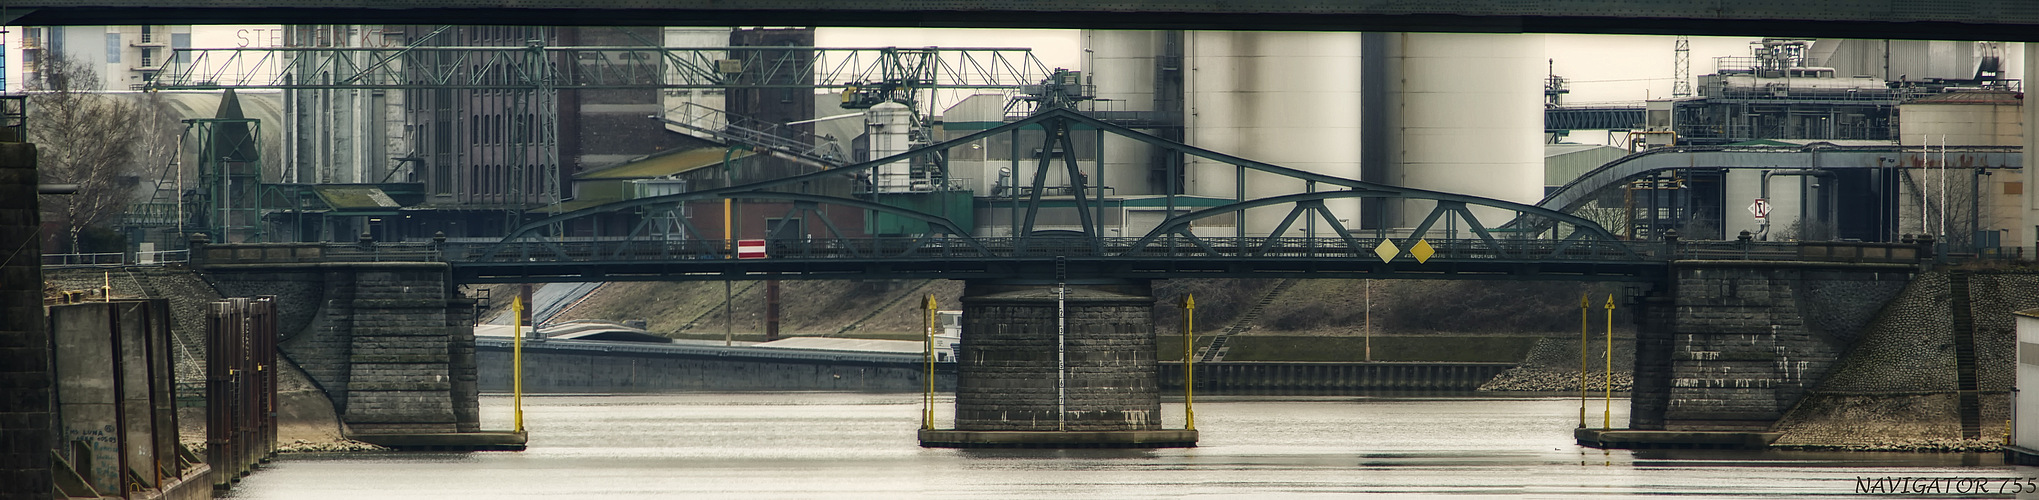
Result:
{"points": [[1050, 366], [1732, 346], [390, 343]]}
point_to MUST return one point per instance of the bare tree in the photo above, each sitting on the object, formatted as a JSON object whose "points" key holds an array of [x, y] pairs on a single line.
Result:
{"points": [[83, 137], [1614, 219], [156, 152]]}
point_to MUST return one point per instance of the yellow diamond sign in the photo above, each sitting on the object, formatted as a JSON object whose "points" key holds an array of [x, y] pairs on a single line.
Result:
{"points": [[1387, 250], [1422, 251]]}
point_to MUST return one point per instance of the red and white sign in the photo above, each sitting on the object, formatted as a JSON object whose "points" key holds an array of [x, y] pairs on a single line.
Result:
{"points": [[750, 249], [1760, 209]]}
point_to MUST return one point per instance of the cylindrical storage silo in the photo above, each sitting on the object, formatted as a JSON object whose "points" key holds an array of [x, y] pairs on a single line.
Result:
{"points": [[1468, 116], [1126, 68], [1287, 98], [888, 126]]}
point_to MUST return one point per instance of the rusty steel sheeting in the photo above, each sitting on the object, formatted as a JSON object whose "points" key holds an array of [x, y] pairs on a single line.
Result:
{"points": [[240, 386]]}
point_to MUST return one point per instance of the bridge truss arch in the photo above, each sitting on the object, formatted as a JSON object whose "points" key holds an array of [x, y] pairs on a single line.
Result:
{"points": [[1451, 242]]}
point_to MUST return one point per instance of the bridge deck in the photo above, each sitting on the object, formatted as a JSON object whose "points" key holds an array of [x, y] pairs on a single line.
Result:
{"points": [[1004, 258]]}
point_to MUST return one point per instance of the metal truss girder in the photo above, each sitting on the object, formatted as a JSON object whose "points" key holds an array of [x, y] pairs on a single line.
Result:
{"points": [[1593, 118], [1057, 122], [525, 231], [605, 67]]}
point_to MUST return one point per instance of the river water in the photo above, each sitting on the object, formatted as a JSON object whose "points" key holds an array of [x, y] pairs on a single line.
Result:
{"points": [[837, 445]]}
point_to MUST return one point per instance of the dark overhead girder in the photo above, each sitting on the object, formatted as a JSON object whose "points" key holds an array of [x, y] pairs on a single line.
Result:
{"points": [[2006, 20]]}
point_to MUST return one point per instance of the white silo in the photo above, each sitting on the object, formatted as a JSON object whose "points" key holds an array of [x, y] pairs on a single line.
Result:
{"points": [[1124, 67], [1468, 118], [1286, 98], [888, 126]]}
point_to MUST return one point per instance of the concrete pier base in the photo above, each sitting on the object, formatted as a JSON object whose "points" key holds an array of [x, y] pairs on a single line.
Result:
{"points": [[1630, 439], [1163, 438], [2013, 454], [1050, 366], [449, 441]]}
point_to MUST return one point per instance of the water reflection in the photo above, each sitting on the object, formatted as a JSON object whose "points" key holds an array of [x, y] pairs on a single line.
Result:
{"points": [[806, 445]]}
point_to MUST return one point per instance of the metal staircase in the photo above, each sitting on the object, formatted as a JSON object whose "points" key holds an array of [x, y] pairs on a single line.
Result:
{"points": [[1964, 353], [1216, 351], [729, 128]]}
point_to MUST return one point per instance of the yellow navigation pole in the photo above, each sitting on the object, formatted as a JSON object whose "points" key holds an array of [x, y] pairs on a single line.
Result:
{"points": [[517, 361], [1585, 304], [1188, 379], [927, 400], [1607, 414]]}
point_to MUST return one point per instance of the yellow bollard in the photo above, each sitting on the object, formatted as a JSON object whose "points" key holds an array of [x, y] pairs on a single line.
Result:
{"points": [[1584, 306], [517, 361], [1188, 378], [1607, 414], [927, 419]]}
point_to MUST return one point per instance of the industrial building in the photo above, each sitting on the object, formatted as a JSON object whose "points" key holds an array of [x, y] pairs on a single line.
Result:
{"points": [[126, 57], [418, 159]]}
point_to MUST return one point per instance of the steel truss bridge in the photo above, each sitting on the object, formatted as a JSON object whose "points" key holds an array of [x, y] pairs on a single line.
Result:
{"points": [[1451, 242], [540, 67]]}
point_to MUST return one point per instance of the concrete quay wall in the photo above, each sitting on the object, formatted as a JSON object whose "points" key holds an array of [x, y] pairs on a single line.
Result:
{"points": [[1274, 377], [557, 366]]}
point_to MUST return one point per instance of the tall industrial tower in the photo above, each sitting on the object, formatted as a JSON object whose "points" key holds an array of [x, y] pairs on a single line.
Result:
{"points": [[1681, 68]]}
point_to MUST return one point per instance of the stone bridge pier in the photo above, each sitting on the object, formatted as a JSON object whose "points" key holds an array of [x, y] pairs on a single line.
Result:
{"points": [[1057, 366], [390, 343], [1729, 347]]}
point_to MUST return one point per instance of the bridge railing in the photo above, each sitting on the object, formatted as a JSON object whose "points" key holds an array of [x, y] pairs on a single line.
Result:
{"points": [[273, 253], [1822, 251], [113, 259], [619, 250]]}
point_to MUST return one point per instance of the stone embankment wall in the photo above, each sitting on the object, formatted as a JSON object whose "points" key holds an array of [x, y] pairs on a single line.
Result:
{"points": [[1898, 388]]}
